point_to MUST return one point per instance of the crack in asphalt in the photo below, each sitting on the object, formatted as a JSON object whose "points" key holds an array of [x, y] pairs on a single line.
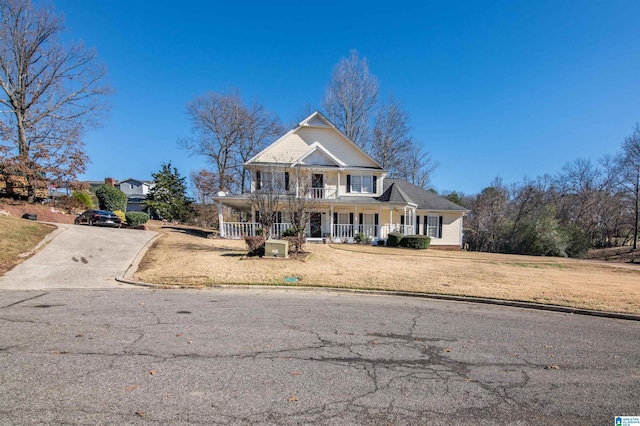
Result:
{"points": [[437, 369], [24, 300]]}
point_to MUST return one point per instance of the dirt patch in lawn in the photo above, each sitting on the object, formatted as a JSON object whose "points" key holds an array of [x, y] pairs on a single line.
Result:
{"points": [[183, 259], [46, 213]]}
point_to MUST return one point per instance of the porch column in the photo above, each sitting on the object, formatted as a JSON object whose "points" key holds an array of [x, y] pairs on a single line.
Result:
{"points": [[379, 222], [391, 219], [331, 220], [413, 222], [220, 220], [356, 222], [404, 228], [253, 222]]}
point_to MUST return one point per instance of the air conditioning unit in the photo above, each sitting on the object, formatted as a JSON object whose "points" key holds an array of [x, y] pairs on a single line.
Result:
{"points": [[276, 248]]}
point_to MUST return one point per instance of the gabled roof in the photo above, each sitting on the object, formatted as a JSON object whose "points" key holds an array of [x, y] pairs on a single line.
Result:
{"points": [[425, 200], [394, 194], [317, 148], [133, 180], [295, 150]]}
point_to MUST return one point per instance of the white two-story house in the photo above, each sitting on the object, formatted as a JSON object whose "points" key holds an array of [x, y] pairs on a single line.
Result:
{"points": [[352, 191]]}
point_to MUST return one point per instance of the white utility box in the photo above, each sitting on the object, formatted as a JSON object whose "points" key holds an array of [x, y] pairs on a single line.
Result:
{"points": [[276, 248]]}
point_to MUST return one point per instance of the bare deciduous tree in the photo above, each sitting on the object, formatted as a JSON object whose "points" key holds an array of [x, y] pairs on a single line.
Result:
{"points": [[395, 149], [391, 142], [217, 124], [204, 186], [419, 167], [303, 200], [228, 133], [351, 96], [268, 199], [260, 127], [51, 94], [630, 176]]}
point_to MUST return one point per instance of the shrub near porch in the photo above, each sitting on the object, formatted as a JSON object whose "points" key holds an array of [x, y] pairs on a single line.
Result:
{"points": [[183, 259]]}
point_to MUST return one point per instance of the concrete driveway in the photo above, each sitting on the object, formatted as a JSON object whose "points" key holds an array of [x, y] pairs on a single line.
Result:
{"points": [[79, 257]]}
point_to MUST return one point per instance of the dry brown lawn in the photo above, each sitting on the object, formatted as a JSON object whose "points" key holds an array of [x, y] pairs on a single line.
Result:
{"points": [[17, 237], [184, 259]]}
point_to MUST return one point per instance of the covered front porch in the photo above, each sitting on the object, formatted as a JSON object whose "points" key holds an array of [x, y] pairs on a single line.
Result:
{"points": [[336, 223]]}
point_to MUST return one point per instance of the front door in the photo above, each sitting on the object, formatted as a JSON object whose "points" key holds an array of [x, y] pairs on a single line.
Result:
{"points": [[316, 225]]}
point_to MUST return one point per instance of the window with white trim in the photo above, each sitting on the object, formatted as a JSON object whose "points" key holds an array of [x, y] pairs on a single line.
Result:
{"points": [[432, 225], [368, 219], [343, 218], [272, 181], [362, 184]]}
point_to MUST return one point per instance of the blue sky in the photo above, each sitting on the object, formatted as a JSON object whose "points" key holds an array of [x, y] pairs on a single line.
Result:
{"points": [[493, 88]]}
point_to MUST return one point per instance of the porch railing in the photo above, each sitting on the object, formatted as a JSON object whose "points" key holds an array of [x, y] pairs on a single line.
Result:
{"points": [[343, 231], [237, 230], [386, 229]]}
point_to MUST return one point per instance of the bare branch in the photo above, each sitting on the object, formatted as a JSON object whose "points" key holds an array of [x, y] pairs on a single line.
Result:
{"points": [[52, 94]]}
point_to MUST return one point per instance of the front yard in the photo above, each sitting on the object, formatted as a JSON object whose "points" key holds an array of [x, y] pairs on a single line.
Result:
{"points": [[184, 259]]}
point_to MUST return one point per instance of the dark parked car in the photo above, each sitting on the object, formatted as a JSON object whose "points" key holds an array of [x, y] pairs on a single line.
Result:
{"points": [[98, 217]]}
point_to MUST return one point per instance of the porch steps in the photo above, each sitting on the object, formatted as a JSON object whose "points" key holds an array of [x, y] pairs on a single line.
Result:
{"points": [[315, 240]]}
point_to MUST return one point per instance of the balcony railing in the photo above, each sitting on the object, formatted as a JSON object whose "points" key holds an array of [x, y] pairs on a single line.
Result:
{"points": [[317, 193]]}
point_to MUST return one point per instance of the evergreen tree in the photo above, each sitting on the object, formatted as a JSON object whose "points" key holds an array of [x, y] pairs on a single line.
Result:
{"points": [[111, 198], [168, 198]]}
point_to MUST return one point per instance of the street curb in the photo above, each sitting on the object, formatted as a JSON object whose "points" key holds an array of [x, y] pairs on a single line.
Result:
{"points": [[480, 300], [128, 274], [60, 228]]}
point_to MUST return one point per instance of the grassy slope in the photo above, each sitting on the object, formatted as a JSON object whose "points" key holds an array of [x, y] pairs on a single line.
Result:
{"points": [[185, 259], [18, 236]]}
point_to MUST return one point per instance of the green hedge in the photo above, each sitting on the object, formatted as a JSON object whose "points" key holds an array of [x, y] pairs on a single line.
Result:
{"points": [[111, 198], [415, 241], [83, 198], [137, 218], [394, 239]]}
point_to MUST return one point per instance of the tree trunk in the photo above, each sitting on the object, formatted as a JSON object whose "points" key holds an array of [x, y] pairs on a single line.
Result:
{"points": [[635, 230]]}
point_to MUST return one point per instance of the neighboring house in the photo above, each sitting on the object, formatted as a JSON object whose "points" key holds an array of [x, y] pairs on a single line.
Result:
{"points": [[136, 191], [355, 196]]}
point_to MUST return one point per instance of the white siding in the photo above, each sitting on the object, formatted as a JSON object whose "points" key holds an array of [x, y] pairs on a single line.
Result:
{"points": [[295, 145], [451, 228], [319, 159]]}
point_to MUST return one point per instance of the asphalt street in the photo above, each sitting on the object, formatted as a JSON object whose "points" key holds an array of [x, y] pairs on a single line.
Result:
{"points": [[237, 356]]}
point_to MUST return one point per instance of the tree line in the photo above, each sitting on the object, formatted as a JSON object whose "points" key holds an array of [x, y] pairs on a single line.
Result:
{"points": [[585, 205]]}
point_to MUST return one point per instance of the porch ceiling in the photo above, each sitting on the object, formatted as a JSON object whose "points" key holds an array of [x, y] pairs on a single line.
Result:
{"points": [[237, 202]]}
